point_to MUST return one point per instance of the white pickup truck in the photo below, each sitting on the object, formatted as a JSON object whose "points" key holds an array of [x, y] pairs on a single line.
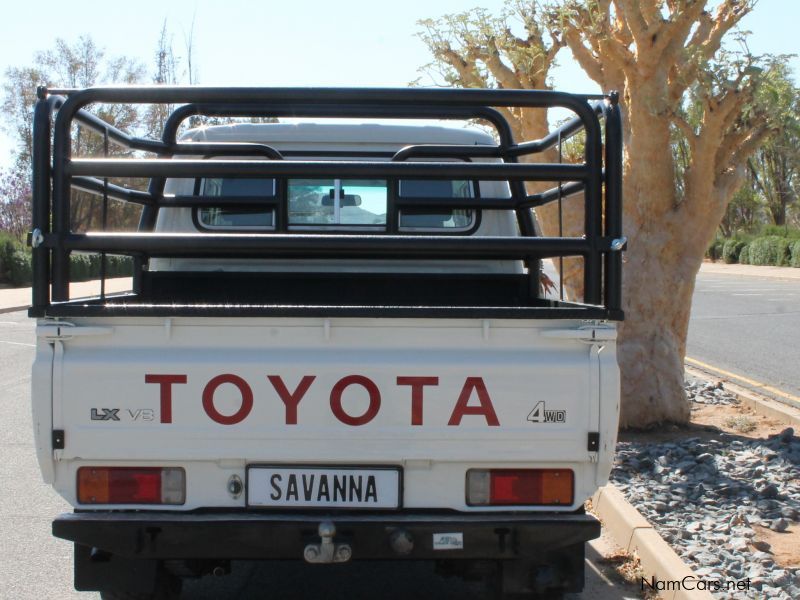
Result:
{"points": [[337, 346]]}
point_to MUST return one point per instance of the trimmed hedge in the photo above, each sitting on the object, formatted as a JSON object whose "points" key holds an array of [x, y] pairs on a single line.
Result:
{"points": [[731, 250], [15, 266], [769, 250], [744, 255], [780, 250], [714, 251], [794, 250]]}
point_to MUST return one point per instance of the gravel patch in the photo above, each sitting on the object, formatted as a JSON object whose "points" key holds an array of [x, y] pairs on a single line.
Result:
{"points": [[705, 496]]}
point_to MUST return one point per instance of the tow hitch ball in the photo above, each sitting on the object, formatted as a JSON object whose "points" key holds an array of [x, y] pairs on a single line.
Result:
{"points": [[327, 551]]}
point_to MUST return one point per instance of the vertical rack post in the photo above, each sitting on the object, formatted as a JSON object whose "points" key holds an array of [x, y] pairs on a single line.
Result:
{"points": [[41, 199], [105, 221]]}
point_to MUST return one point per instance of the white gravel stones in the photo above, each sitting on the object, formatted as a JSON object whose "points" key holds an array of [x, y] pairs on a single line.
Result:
{"points": [[705, 496], [703, 392]]}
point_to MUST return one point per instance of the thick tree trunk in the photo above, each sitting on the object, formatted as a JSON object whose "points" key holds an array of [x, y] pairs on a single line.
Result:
{"points": [[658, 272], [658, 287]]}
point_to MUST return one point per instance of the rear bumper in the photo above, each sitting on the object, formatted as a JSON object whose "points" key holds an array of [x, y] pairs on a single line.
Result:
{"points": [[167, 535]]}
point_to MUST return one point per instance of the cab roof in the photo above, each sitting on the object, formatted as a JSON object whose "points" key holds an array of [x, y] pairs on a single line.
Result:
{"points": [[367, 134]]}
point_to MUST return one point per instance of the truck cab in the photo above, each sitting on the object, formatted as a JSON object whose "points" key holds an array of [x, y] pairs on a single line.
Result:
{"points": [[337, 346]]}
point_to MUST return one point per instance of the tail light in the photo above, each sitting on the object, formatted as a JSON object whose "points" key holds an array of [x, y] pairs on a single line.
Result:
{"points": [[131, 485], [517, 487]]}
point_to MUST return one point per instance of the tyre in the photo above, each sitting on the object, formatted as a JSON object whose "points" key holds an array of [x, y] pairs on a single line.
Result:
{"points": [[517, 580], [168, 587]]}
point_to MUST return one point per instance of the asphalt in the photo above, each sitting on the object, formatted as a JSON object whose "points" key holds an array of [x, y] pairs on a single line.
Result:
{"points": [[746, 321]]}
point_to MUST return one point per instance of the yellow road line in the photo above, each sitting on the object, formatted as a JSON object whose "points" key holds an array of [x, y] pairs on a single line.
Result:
{"points": [[747, 380]]}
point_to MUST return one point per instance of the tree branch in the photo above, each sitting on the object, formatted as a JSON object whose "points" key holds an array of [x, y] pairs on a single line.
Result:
{"points": [[501, 72], [687, 130], [705, 42], [749, 145], [631, 11], [673, 34]]}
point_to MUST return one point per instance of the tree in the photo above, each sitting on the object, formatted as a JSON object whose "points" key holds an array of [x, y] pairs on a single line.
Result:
{"points": [[665, 58], [744, 213], [663, 55], [775, 167], [476, 50], [81, 64], [166, 73], [15, 200]]}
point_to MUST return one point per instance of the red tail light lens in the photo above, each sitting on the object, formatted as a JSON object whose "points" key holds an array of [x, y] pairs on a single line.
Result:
{"points": [[520, 487], [131, 485]]}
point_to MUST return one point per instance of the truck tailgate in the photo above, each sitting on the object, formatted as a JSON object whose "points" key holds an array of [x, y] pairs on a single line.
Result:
{"points": [[287, 390]]}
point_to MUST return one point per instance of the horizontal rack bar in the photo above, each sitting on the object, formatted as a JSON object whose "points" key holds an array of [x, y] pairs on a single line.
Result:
{"points": [[114, 307], [335, 169], [117, 192], [321, 245]]}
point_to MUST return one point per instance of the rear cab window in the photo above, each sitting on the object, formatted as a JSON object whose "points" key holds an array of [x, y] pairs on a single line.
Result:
{"points": [[333, 204]]}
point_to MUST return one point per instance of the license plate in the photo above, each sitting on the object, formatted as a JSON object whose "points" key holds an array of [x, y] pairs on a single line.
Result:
{"points": [[330, 487]]}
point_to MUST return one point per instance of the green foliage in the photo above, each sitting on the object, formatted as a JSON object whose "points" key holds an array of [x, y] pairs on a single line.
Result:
{"points": [[714, 251], [769, 250], [18, 269], [9, 261], [731, 250], [794, 250], [16, 266], [84, 267], [791, 233], [744, 255]]}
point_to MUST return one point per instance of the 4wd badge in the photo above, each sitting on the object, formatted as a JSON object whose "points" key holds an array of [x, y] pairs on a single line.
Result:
{"points": [[540, 414]]}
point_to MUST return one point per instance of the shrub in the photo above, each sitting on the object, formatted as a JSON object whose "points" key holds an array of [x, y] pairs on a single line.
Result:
{"points": [[781, 231], [20, 271], [794, 250], [714, 251], [84, 267], [744, 255], [731, 250], [16, 266], [784, 252], [770, 250]]}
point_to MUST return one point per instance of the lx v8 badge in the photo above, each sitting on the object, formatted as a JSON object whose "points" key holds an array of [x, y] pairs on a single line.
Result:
{"points": [[107, 414], [540, 414], [113, 414]]}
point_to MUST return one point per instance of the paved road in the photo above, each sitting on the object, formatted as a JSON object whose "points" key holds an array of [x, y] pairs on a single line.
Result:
{"points": [[748, 325], [36, 566]]}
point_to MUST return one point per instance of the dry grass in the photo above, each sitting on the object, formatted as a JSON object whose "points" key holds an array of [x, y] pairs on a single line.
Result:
{"points": [[629, 568], [741, 423]]}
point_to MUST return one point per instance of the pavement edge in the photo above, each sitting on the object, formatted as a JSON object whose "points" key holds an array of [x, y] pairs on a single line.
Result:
{"points": [[631, 531]]}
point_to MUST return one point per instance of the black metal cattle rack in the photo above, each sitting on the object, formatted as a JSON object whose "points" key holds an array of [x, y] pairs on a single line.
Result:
{"points": [[57, 173]]}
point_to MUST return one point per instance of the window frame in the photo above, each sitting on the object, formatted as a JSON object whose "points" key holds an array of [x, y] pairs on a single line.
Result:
{"points": [[199, 185], [281, 186]]}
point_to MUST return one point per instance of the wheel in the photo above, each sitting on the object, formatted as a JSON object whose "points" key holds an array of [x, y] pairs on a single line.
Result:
{"points": [[168, 587], [517, 580]]}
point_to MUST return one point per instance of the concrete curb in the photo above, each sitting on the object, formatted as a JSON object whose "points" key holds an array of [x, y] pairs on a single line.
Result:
{"points": [[761, 405], [634, 534], [8, 309]]}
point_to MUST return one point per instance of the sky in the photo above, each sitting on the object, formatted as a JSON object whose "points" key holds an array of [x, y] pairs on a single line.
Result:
{"points": [[295, 42]]}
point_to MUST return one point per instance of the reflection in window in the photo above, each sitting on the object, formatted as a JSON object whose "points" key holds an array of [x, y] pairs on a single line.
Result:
{"points": [[337, 202], [422, 219], [219, 217]]}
